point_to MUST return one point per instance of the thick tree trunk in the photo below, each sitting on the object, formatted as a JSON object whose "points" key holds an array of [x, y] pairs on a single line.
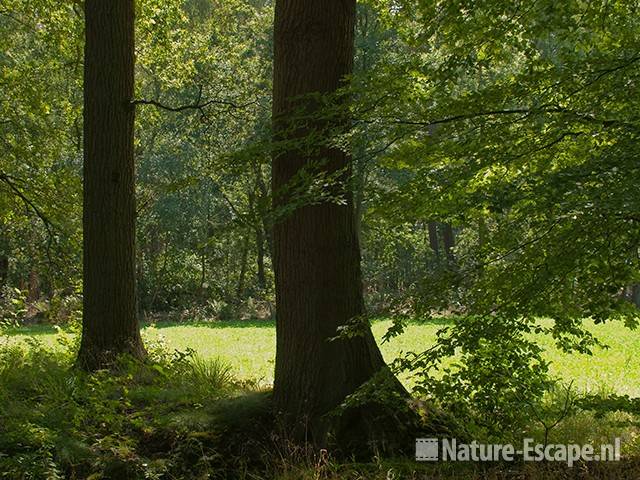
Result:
{"points": [[110, 326], [316, 250]]}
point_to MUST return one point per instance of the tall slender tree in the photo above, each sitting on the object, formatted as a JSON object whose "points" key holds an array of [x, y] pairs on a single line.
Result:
{"points": [[433, 238], [110, 325], [448, 241], [316, 248]]}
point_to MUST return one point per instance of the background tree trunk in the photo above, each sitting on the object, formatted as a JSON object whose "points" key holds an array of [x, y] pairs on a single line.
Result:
{"points": [[263, 200], [4, 256], [261, 275], [140, 278], [243, 269], [448, 242], [254, 197], [110, 326], [635, 295], [433, 238], [34, 292], [316, 250], [4, 269]]}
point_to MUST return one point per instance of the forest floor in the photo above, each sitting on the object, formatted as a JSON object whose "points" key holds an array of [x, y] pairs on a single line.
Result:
{"points": [[248, 347], [206, 415]]}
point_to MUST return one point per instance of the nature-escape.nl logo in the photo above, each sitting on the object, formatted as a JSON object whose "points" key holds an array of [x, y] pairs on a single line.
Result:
{"points": [[449, 450]]}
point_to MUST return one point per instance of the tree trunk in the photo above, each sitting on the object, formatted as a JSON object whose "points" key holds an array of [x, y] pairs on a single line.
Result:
{"points": [[359, 183], [482, 232], [260, 233], [4, 258], [635, 295], [433, 238], [140, 279], [316, 250], [4, 269], [264, 195], [110, 326], [243, 269], [34, 293], [261, 276], [449, 242]]}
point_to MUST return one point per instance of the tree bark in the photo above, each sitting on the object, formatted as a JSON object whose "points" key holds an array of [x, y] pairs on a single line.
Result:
{"points": [[433, 238], [4, 257], [243, 269], [635, 295], [140, 279], [110, 325], [263, 198], [316, 250], [261, 275], [34, 292], [482, 232], [260, 234], [449, 242], [4, 269]]}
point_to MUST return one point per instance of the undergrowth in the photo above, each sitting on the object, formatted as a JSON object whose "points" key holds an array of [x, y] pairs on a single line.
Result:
{"points": [[149, 420], [179, 416]]}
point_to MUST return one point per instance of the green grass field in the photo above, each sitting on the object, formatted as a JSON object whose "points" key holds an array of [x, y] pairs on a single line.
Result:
{"points": [[249, 348], [53, 415]]}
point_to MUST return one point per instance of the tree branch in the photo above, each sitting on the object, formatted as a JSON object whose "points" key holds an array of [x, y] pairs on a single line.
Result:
{"points": [[9, 181], [198, 104], [515, 111]]}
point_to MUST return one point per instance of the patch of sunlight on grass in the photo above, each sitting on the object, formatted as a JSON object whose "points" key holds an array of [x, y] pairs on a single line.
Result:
{"points": [[249, 348], [613, 369]]}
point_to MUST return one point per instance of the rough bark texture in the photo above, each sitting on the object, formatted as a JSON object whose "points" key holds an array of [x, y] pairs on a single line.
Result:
{"points": [[110, 326], [316, 250]]}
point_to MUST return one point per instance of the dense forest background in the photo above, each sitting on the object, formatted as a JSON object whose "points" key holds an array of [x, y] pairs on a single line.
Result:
{"points": [[440, 174], [203, 182]]}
